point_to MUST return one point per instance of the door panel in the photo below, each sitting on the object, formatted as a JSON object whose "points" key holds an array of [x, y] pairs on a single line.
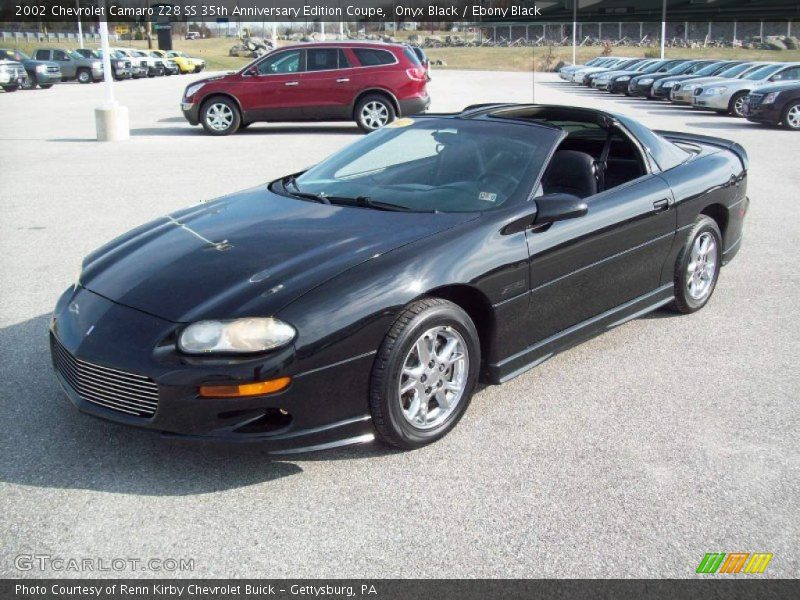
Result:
{"points": [[327, 84], [585, 266], [276, 92]]}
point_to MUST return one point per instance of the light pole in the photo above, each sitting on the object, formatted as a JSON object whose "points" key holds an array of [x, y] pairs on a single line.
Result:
{"points": [[663, 27], [575, 32], [111, 119]]}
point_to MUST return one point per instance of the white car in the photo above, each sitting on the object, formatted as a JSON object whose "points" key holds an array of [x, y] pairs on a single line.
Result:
{"points": [[565, 72], [12, 75], [727, 96], [578, 75], [155, 66], [139, 66]]}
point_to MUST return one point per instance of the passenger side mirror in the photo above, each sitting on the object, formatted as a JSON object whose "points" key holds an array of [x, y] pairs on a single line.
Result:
{"points": [[559, 207], [251, 72]]}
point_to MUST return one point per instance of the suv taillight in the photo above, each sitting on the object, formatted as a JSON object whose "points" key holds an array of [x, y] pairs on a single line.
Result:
{"points": [[417, 74]]}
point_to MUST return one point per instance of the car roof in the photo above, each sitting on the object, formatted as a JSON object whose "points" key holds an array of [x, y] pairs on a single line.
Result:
{"points": [[348, 44]]}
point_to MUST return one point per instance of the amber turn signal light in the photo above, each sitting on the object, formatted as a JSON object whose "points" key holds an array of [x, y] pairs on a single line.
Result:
{"points": [[258, 388]]}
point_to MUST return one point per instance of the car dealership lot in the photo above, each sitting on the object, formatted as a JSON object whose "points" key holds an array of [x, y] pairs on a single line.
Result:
{"points": [[631, 455]]}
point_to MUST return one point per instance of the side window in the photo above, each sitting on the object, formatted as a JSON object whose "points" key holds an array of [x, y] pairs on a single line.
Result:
{"points": [[343, 62], [787, 75], [322, 59], [60, 55], [371, 57], [42, 55], [284, 62]]}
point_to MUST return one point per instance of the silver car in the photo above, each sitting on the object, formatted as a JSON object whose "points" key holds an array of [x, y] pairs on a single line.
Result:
{"points": [[727, 96]]}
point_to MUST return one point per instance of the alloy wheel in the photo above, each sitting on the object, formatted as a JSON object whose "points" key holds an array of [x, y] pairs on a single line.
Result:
{"points": [[702, 266], [738, 106], [375, 114], [434, 377], [219, 116], [793, 117]]}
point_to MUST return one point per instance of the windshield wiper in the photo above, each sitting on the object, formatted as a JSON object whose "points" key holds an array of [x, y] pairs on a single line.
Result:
{"points": [[298, 194]]}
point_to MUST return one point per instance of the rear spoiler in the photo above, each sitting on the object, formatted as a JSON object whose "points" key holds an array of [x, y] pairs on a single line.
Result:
{"points": [[679, 136]]}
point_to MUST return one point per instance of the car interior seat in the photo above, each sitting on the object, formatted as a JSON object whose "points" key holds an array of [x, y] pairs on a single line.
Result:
{"points": [[571, 172]]}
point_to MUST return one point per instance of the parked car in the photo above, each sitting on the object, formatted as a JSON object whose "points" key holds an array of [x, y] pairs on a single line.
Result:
{"points": [[155, 65], [139, 66], [120, 64], [170, 66], [193, 35], [727, 96], [774, 104], [73, 65], [577, 75], [423, 59], [187, 64], [607, 80], [370, 83], [12, 75], [566, 72], [683, 91], [663, 87], [642, 85], [368, 295], [40, 72], [701, 68]]}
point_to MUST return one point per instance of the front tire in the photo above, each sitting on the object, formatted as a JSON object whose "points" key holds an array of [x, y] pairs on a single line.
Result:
{"points": [[30, 83], [373, 112], [84, 76], [736, 105], [424, 374], [791, 116], [220, 116], [45, 86], [697, 266]]}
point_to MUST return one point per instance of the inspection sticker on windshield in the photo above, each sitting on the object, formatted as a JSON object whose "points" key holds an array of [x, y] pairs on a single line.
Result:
{"points": [[404, 122], [487, 196]]}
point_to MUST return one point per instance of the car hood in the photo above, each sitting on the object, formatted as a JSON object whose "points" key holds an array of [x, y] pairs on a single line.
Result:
{"points": [[246, 254], [734, 85]]}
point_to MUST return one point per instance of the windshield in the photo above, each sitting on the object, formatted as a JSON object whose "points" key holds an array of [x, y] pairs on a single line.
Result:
{"points": [[680, 69], [435, 164], [13, 55], [762, 72], [708, 69], [653, 67], [74, 54], [735, 71]]}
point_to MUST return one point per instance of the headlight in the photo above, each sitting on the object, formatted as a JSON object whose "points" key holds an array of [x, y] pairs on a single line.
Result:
{"points": [[689, 87], [770, 98], [715, 91], [41, 68], [668, 84], [3, 68], [193, 89], [646, 81], [97, 65], [624, 78], [237, 336]]}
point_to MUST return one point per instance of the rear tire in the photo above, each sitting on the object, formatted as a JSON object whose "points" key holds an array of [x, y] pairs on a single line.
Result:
{"points": [[373, 112], [424, 374], [697, 266], [46, 86], [791, 116], [84, 76], [220, 116]]}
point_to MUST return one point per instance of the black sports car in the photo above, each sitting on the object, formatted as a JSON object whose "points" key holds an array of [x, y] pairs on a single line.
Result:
{"points": [[367, 295]]}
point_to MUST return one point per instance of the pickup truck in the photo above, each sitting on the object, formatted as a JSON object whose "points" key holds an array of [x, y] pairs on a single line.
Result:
{"points": [[40, 72], [73, 65], [120, 64]]}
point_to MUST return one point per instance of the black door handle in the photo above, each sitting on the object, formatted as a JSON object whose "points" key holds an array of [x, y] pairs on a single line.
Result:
{"points": [[661, 205]]}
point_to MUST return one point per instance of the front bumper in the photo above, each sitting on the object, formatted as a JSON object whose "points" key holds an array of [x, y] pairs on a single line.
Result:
{"points": [[322, 408], [191, 112], [414, 106], [661, 92], [636, 89], [682, 96], [763, 113], [47, 78], [715, 102]]}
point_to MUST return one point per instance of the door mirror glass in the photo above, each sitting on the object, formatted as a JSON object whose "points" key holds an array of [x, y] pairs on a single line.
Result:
{"points": [[559, 207]]}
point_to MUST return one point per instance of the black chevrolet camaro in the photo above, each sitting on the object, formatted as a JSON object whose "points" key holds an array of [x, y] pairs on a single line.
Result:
{"points": [[368, 295]]}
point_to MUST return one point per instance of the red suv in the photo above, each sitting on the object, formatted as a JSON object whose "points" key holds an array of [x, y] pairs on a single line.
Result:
{"points": [[370, 83]]}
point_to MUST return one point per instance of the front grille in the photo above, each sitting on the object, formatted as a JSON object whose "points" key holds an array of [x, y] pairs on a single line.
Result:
{"points": [[127, 64], [16, 71], [755, 100], [159, 63], [53, 69], [118, 390], [143, 63], [698, 91], [676, 87]]}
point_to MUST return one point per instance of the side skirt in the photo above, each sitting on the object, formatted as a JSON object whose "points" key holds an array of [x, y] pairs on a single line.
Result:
{"points": [[536, 354]]}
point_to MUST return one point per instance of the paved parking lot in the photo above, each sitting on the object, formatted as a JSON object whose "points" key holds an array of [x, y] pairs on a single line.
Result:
{"points": [[629, 456]]}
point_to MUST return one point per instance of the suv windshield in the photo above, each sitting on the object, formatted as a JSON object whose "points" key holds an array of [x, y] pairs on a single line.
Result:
{"points": [[13, 55], [434, 164]]}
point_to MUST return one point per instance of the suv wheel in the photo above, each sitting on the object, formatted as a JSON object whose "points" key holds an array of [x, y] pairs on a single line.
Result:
{"points": [[220, 116], [30, 83], [373, 112], [84, 76], [791, 117]]}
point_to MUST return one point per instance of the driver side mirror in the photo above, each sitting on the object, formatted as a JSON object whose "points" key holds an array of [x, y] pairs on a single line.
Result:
{"points": [[251, 72], [559, 207]]}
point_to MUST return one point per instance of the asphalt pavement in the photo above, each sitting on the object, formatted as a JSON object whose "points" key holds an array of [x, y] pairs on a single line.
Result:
{"points": [[631, 455]]}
